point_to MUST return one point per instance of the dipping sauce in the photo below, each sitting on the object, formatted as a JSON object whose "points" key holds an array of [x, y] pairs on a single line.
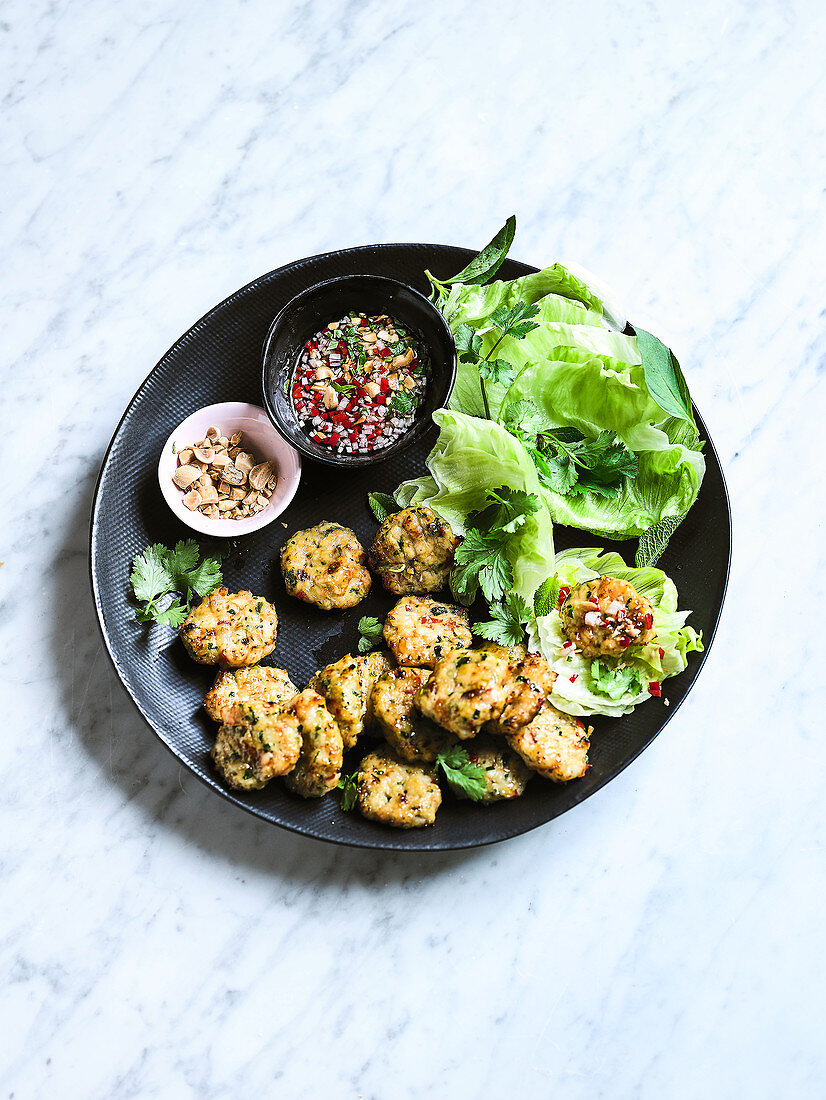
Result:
{"points": [[358, 383]]}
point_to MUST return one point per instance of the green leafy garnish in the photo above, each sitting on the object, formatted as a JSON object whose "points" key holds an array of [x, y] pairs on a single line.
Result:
{"points": [[159, 572], [514, 322], [343, 387], [485, 265], [402, 402], [382, 505], [347, 785], [664, 379], [546, 597], [464, 778], [566, 461], [481, 561], [614, 681], [506, 626], [653, 542], [370, 629]]}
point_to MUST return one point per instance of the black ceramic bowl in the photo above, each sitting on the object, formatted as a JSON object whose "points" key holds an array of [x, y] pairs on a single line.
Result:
{"points": [[312, 310]]}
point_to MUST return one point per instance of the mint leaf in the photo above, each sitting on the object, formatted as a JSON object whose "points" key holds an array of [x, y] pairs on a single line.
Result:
{"points": [[382, 505], [546, 597], [653, 542]]}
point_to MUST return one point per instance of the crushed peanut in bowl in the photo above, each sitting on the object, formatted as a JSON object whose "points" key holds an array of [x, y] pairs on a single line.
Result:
{"points": [[221, 479]]}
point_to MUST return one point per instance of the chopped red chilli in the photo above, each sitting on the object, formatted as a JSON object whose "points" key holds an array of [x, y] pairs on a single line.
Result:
{"points": [[358, 383], [655, 688]]}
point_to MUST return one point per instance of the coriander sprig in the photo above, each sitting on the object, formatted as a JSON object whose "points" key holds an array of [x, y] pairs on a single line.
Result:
{"points": [[514, 322], [464, 778], [347, 784], [160, 572], [566, 461], [371, 630], [482, 561], [506, 625]]}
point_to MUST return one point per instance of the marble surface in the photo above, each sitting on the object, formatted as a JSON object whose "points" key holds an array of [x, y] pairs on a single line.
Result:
{"points": [[664, 939]]}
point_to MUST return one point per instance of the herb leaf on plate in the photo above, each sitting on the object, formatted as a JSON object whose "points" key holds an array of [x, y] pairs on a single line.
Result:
{"points": [[506, 626], [347, 785], [546, 597], [382, 505], [150, 577], [159, 572], [371, 630], [615, 681], [481, 561], [464, 777], [664, 379]]}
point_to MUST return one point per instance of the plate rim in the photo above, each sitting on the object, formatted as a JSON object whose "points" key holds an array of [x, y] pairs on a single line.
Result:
{"points": [[228, 795]]}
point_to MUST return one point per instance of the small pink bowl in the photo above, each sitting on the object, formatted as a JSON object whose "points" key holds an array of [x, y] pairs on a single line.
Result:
{"points": [[263, 440]]}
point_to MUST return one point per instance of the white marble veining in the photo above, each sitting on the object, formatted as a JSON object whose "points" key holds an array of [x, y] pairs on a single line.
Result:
{"points": [[665, 938]]}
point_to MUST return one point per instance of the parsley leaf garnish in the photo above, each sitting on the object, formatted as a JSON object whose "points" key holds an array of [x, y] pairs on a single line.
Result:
{"points": [[567, 462], [371, 630], [464, 778], [506, 625], [150, 577], [481, 562], [160, 572]]}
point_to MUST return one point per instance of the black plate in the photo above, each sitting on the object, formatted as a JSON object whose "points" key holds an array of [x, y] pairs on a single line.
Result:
{"points": [[219, 359]]}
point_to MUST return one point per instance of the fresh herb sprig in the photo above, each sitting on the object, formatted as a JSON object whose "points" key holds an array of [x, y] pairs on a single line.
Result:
{"points": [[506, 625], [486, 263], [481, 561], [348, 786], [665, 382], [464, 778], [370, 629], [514, 322], [614, 681], [382, 505], [567, 462], [160, 572]]}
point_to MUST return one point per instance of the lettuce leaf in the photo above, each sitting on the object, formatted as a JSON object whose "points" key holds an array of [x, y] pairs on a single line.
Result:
{"points": [[472, 457], [582, 392], [613, 686]]}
